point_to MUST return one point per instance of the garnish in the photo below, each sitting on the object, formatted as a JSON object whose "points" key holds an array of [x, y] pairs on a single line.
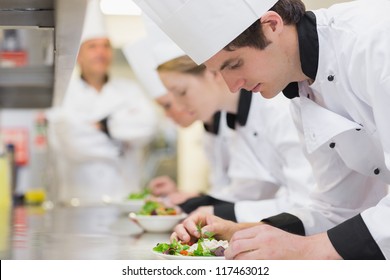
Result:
{"points": [[208, 234]]}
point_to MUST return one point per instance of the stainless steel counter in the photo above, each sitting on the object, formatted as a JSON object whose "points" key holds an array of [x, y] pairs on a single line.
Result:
{"points": [[81, 233]]}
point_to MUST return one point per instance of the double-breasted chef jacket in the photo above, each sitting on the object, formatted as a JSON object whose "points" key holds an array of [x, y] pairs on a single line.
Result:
{"points": [[224, 154], [268, 146], [101, 164], [343, 117], [267, 169]]}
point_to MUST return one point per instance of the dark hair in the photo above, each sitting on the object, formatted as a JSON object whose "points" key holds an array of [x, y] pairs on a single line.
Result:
{"points": [[291, 11]]}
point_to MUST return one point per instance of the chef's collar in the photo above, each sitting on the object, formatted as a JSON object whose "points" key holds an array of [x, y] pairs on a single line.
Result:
{"points": [[308, 50], [244, 105], [213, 127]]}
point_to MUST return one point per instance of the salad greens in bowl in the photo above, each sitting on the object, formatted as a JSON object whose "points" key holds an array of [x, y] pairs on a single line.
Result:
{"points": [[141, 195], [133, 202], [155, 217]]}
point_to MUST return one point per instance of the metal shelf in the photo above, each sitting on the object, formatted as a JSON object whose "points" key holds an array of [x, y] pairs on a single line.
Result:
{"points": [[33, 13], [42, 86]]}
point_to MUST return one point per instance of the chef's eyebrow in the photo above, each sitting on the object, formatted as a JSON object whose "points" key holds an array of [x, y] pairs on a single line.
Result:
{"points": [[226, 64]]}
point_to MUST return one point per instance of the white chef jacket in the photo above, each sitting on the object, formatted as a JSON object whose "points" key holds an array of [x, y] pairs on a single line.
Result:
{"points": [[217, 144], [343, 117], [235, 176], [270, 145], [265, 156], [101, 166]]}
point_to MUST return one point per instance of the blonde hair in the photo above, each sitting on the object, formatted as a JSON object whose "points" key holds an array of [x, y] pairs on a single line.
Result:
{"points": [[182, 64]]}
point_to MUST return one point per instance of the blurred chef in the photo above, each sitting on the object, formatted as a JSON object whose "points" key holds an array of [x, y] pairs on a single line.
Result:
{"points": [[141, 58], [102, 126]]}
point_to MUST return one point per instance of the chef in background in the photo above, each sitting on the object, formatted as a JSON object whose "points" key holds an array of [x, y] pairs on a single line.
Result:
{"points": [[101, 128]]}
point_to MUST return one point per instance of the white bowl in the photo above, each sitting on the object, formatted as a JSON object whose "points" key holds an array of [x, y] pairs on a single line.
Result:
{"points": [[157, 223]]}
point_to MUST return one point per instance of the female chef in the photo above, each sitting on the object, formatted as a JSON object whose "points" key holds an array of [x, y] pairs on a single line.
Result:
{"points": [[214, 140], [336, 61]]}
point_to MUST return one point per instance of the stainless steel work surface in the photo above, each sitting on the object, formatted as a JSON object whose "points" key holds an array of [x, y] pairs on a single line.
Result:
{"points": [[80, 233]]}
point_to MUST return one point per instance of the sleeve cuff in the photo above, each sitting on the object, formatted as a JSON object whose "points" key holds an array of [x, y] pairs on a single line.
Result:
{"points": [[104, 126], [204, 200], [353, 241], [191, 204], [286, 222], [225, 211]]}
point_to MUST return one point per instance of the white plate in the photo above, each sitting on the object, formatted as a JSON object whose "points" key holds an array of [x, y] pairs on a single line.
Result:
{"points": [[130, 205], [174, 257]]}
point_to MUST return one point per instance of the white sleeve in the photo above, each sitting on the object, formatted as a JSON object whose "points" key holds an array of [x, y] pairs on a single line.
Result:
{"points": [[136, 121], [373, 68], [77, 140], [376, 219], [255, 211]]}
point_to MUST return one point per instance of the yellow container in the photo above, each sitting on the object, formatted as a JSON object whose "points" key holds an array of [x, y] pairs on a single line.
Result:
{"points": [[35, 196], [5, 182], [5, 227]]}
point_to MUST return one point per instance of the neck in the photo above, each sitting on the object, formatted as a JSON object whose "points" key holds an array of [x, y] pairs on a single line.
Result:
{"points": [[230, 101], [292, 50], [95, 81]]}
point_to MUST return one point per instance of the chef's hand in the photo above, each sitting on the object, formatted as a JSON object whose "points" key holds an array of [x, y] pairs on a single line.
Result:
{"points": [[208, 210], [264, 242], [162, 186], [223, 229], [177, 198]]}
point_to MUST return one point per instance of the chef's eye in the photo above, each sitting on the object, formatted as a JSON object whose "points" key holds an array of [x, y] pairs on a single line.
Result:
{"points": [[235, 65], [167, 106], [183, 93]]}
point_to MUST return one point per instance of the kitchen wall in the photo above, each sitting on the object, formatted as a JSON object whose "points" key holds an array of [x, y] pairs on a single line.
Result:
{"points": [[317, 4]]}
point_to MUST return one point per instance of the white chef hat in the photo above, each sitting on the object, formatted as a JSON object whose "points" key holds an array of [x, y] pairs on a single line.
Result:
{"points": [[140, 57], [165, 51], [163, 48], [204, 27], [94, 22]]}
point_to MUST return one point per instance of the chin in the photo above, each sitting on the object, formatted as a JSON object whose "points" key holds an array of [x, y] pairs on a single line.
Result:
{"points": [[268, 95]]}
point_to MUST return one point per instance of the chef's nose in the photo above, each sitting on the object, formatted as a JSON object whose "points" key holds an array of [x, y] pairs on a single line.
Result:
{"points": [[234, 83]]}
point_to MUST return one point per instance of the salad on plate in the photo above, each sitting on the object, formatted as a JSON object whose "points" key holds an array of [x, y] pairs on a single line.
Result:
{"points": [[206, 246]]}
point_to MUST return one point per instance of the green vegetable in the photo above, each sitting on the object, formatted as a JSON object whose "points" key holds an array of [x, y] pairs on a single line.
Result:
{"points": [[149, 207], [139, 195], [156, 208], [161, 247], [209, 235], [176, 248], [171, 249]]}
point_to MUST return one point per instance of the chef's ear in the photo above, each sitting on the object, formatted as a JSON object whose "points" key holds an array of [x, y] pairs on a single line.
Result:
{"points": [[273, 21]]}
